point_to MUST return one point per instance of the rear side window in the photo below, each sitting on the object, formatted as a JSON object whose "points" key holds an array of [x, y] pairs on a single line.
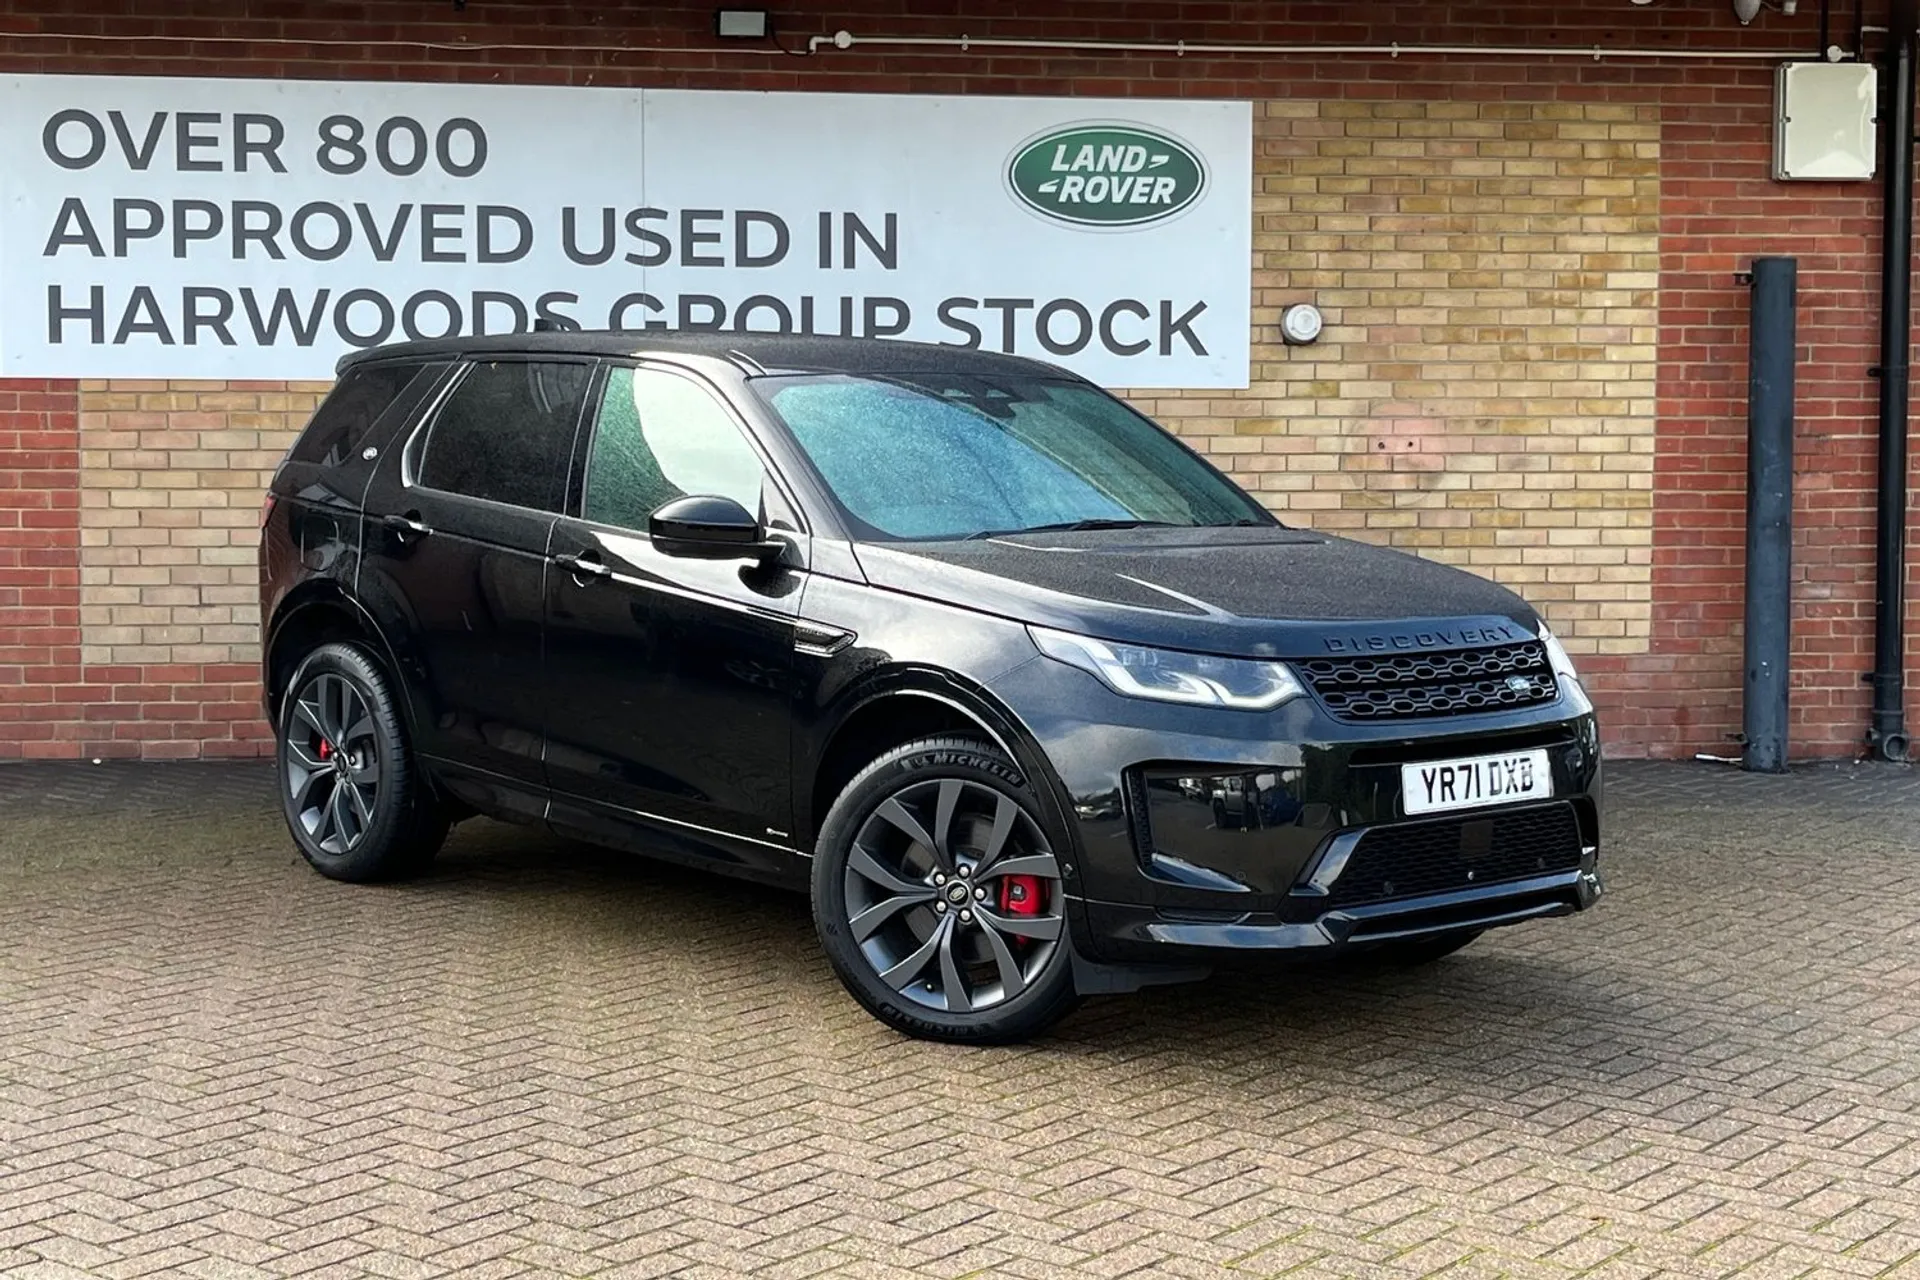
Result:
{"points": [[359, 400], [506, 432]]}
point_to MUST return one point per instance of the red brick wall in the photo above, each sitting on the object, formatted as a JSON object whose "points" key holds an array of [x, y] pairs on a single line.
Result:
{"points": [[40, 672], [1719, 209]]}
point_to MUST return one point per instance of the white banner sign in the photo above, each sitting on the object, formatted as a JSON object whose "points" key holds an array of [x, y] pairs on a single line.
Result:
{"points": [[197, 228]]}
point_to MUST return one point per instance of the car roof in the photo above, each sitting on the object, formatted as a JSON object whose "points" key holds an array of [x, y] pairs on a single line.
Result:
{"points": [[755, 353]]}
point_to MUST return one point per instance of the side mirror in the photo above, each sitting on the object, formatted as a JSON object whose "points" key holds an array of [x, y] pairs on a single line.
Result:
{"points": [[706, 527]]}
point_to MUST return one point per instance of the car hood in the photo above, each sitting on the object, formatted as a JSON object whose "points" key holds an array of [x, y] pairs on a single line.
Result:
{"points": [[1273, 592]]}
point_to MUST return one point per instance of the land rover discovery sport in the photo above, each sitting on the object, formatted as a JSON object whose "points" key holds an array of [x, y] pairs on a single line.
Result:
{"points": [[1034, 700]]}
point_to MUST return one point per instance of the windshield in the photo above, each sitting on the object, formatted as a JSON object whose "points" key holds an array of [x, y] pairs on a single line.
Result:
{"points": [[938, 457]]}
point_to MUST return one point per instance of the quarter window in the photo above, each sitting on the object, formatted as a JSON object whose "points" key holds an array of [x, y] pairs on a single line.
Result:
{"points": [[506, 432], [366, 395], [661, 436]]}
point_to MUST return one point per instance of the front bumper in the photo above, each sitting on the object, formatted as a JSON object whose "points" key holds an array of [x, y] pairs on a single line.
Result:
{"points": [[1118, 931], [1201, 835]]}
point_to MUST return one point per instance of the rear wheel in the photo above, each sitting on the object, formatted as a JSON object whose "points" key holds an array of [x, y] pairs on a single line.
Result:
{"points": [[356, 803], [938, 897]]}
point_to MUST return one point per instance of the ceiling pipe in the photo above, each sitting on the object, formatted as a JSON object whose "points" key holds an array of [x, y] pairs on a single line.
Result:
{"points": [[844, 40]]}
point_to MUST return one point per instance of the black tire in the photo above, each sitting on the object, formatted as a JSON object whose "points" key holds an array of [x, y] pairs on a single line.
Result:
{"points": [[354, 798], [1411, 953], [899, 896]]}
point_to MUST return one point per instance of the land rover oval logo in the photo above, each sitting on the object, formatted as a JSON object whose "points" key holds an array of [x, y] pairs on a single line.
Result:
{"points": [[1106, 175]]}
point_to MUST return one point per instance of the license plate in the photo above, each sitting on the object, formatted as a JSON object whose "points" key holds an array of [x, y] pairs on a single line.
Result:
{"points": [[1437, 786]]}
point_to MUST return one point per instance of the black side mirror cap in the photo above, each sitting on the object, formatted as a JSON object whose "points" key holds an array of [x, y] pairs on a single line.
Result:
{"points": [[710, 527]]}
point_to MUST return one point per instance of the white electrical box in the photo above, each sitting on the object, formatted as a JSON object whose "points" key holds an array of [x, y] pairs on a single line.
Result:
{"points": [[1823, 127]]}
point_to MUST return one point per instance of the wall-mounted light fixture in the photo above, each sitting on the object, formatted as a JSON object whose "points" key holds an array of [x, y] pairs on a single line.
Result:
{"points": [[742, 24], [1301, 323]]}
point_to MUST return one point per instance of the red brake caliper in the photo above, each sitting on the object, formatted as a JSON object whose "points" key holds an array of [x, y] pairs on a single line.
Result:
{"points": [[1022, 896], [326, 748]]}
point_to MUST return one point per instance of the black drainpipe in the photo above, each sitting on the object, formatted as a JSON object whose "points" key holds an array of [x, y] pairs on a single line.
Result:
{"points": [[1887, 736]]}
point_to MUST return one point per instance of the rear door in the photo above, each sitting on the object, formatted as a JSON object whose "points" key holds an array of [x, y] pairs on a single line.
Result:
{"points": [[671, 678], [321, 483], [455, 562]]}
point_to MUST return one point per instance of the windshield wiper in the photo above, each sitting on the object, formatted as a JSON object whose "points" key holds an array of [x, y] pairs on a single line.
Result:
{"points": [[1074, 526]]}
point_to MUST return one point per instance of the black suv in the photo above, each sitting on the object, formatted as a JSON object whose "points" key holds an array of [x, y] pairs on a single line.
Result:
{"points": [[1037, 701]]}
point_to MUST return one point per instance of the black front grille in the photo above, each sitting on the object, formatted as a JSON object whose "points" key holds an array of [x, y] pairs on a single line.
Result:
{"points": [[1414, 685], [1410, 859]]}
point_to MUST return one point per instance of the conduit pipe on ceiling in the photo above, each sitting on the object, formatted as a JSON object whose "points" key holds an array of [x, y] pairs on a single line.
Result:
{"points": [[844, 40]]}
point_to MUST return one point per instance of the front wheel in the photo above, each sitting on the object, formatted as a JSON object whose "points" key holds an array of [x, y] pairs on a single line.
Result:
{"points": [[939, 899], [356, 802]]}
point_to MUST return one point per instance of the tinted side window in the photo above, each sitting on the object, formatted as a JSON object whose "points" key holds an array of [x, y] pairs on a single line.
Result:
{"points": [[660, 437], [506, 431], [363, 397]]}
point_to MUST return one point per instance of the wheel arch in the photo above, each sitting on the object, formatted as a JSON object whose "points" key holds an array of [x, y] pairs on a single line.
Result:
{"points": [[903, 706], [315, 613]]}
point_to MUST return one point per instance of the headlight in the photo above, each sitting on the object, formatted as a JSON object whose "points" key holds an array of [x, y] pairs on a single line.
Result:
{"points": [[1570, 687], [1557, 656], [1167, 676]]}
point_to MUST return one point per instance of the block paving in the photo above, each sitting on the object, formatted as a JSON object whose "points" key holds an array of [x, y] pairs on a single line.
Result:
{"points": [[545, 1060]]}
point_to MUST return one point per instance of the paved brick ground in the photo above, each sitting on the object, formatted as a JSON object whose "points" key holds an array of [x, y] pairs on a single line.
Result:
{"points": [[548, 1061]]}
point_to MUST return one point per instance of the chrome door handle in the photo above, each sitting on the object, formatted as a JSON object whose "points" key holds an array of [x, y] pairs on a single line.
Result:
{"points": [[408, 524], [583, 567]]}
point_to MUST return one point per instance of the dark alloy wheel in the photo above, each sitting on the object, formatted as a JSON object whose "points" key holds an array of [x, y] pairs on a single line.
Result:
{"points": [[354, 801], [333, 763], [939, 896]]}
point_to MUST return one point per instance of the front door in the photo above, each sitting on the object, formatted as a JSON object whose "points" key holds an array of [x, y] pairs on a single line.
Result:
{"points": [[669, 678], [455, 561]]}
